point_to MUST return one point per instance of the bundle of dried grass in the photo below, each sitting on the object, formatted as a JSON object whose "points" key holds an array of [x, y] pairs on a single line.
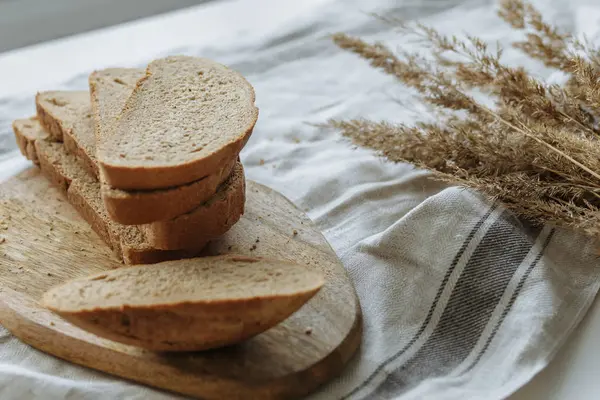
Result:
{"points": [[537, 149]]}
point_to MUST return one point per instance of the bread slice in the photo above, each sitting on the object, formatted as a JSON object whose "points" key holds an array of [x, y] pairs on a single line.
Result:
{"points": [[109, 90], [30, 131], [213, 218], [66, 115], [184, 120], [186, 305], [147, 206], [83, 192]]}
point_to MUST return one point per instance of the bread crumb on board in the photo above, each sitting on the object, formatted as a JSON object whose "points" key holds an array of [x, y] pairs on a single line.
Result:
{"points": [[308, 331], [2, 240], [262, 162], [295, 232]]}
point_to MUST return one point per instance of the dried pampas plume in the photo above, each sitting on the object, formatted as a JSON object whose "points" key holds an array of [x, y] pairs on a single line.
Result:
{"points": [[537, 149]]}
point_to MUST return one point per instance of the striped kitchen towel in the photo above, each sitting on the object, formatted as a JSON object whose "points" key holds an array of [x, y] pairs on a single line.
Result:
{"points": [[461, 300]]}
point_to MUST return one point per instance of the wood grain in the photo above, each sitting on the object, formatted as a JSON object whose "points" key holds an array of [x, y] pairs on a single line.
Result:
{"points": [[45, 242]]}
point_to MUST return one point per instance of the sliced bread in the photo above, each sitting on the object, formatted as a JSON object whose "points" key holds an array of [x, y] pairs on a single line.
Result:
{"points": [[30, 131], [83, 192], [109, 90], [65, 115], [137, 207], [184, 120], [186, 305], [213, 218]]}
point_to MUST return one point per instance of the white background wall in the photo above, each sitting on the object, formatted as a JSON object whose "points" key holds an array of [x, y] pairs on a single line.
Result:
{"points": [[26, 22]]}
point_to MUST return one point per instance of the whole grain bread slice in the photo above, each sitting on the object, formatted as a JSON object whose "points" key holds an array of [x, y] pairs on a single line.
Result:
{"points": [[184, 120], [213, 218], [186, 305], [29, 131], [109, 90], [83, 192], [66, 114], [136, 207]]}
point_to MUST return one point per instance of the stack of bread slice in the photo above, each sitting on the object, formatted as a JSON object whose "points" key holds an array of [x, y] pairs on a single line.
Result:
{"points": [[149, 158]]}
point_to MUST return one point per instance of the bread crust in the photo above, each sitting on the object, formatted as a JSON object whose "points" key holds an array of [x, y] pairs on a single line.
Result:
{"points": [[147, 206]]}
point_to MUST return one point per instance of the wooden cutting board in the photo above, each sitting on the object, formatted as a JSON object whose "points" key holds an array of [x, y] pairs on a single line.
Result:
{"points": [[45, 242]]}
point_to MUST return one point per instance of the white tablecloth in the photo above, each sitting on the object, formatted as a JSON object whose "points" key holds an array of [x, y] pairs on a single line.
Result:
{"points": [[460, 300]]}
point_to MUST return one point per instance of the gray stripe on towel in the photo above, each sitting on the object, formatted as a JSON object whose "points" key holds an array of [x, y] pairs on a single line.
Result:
{"points": [[512, 300], [453, 265], [475, 296]]}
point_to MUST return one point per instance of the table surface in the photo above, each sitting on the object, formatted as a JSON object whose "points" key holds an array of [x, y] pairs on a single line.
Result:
{"points": [[27, 22], [571, 374]]}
